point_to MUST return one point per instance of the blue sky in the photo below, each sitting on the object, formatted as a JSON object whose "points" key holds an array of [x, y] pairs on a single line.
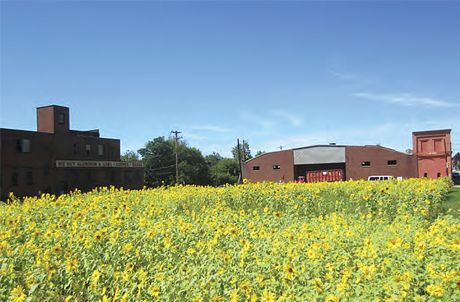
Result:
{"points": [[273, 73]]}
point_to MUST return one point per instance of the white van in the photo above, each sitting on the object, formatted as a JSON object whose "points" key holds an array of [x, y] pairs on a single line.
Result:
{"points": [[380, 177]]}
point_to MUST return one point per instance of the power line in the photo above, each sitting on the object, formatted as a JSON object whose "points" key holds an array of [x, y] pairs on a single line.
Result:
{"points": [[163, 173], [164, 167], [161, 158]]}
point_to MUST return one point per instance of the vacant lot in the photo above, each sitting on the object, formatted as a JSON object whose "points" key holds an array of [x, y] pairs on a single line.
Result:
{"points": [[261, 242]]}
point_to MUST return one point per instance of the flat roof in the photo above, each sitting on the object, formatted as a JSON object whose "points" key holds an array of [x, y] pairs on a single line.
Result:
{"points": [[444, 131]]}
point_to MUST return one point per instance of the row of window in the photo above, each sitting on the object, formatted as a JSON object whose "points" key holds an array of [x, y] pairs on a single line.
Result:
{"points": [[29, 180], [275, 167], [363, 164], [23, 145], [389, 163], [426, 175], [76, 149]]}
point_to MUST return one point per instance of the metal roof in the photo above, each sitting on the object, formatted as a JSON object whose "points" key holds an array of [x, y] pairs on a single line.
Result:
{"points": [[319, 155]]}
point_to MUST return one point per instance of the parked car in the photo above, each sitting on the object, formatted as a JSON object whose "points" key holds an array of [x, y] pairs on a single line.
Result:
{"points": [[301, 179]]}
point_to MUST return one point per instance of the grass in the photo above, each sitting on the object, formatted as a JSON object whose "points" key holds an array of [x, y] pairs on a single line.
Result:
{"points": [[453, 202]]}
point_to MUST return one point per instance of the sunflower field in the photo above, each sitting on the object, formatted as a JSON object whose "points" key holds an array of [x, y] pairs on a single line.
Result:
{"points": [[342, 241]]}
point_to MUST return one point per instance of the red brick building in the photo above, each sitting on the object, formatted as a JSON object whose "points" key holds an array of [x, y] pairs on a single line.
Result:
{"points": [[365, 161], [431, 158], [274, 166], [433, 150], [55, 159]]}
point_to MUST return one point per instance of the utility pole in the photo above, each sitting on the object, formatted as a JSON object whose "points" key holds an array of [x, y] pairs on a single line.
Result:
{"points": [[239, 160], [217, 162], [177, 159]]}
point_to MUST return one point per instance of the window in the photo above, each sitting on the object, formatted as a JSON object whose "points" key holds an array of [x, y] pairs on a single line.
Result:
{"points": [[46, 169], [424, 146], [365, 164], [26, 145], [425, 174], [438, 145], [392, 162], [29, 178], [23, 145], [14, 178], [88, 149], [61, 118], [75, 149], [101, 149], [131, 176], [62, 187], [256, 168], [276, 167], [439, 175]]}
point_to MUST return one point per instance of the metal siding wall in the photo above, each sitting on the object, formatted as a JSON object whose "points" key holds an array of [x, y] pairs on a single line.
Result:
{"points": [[319, 155]]}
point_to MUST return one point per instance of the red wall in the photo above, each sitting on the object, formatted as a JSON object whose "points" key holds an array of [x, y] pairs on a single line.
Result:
{"points": [[432, 155], [378, 157], [433, 152], [283, 159]]}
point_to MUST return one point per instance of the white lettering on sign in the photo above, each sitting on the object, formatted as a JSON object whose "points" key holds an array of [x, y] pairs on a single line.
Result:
{"points": [[96, 164]]}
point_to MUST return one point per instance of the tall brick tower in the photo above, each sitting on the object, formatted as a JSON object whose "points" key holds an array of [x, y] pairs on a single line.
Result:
{"points": [[53, 119], [433, 150]]}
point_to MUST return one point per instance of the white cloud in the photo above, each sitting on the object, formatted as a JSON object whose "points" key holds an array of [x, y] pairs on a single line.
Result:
{"points": [[212, 128], [291, 141], [194, 136], [290, 118], [351, 78], [266, 122], [259, 121], [405, 99], [345, 76], [390, 135]]}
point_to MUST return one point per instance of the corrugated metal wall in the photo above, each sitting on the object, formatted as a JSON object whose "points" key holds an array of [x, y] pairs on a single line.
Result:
{"points": [[319, 155]]}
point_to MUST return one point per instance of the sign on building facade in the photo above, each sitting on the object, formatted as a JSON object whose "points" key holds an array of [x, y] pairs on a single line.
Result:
{"points": [[96, 164]]}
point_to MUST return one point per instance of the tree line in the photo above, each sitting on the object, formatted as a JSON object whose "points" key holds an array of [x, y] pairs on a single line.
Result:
{"points": [[159, 159]]}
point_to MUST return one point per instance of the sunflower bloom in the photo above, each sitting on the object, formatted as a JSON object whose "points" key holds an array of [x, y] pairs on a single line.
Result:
{"points": [[17, 294], [267, 297], [290, 271]]}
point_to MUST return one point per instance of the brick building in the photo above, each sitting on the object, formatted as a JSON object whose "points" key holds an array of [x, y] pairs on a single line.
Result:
{"points": [[431, 158], [55, 159], [433, 150]]}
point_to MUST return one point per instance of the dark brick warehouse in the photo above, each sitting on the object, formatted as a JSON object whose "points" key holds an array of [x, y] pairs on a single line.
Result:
{"points": [[55, 159]]}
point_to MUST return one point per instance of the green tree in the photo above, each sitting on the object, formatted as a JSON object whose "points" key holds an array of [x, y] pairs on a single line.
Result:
{"points": [[222, 170], [159, 162], [456, 160], [230, 169], [158, 157], [193, 168], [245, 151], [130, 155], [259, 153]]}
